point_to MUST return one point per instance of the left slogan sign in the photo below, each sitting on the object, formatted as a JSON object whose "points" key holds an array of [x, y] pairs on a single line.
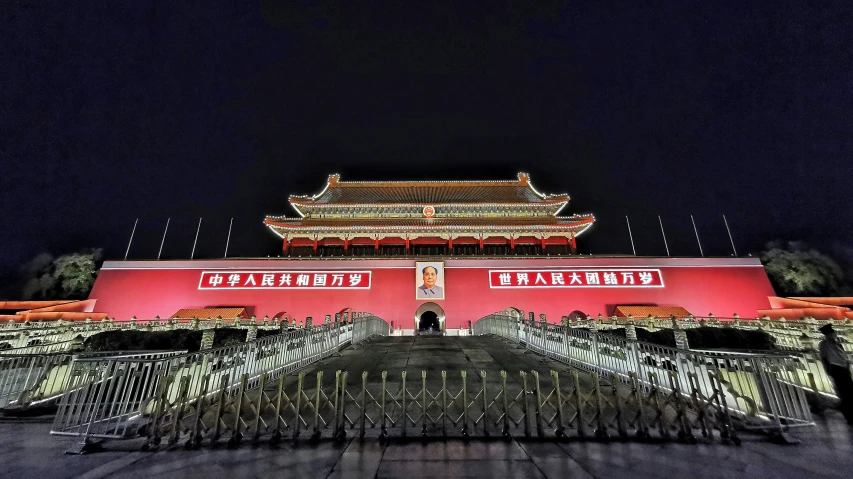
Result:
{"points": [[222, 280]]}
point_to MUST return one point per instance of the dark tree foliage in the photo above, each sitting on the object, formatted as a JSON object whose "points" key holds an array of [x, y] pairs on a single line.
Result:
{"points": [[795, 269], [177, 340], [705, 338], [69, 276], [263, 333], [180, 339], [229, 337]]}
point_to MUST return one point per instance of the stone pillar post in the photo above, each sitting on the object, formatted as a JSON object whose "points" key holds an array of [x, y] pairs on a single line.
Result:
{"points": [[593, 339], [630, 332], [207, 339], [811, 324], [252, 333], [542, 318], [218, 323], [266, 321], [338, 318], [309, 321], [680, 335], [327, 319]]}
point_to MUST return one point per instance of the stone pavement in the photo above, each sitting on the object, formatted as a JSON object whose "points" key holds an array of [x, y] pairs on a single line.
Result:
{"points": [[826, 450]]}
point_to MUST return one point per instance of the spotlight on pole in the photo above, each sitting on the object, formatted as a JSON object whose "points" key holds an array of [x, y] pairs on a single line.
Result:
{"points": [[630, 235], [730, 235], [192, 255], [229, 237], [131, 238], [697, 236], [664, 236], [164, 237]]}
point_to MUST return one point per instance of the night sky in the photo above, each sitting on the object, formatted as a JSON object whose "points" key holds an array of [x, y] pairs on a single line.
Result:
{"points": [[111, 111]]}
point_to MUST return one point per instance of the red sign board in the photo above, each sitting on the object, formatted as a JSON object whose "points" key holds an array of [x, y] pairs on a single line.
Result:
{"points": [[576, 278], [222, 280]]}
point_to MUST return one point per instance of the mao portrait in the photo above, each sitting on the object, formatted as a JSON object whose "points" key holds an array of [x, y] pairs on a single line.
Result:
{"points": [[429, 280]]}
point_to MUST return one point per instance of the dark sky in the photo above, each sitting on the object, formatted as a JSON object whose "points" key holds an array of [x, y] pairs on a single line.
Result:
{"points": [[111, 111]]}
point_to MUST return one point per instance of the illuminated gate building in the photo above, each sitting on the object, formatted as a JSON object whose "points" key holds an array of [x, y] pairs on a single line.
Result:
{"points": [[447, 218], [436, 253]]}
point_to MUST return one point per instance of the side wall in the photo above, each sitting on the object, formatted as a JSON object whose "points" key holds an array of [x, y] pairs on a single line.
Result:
{"points": [[145, 289]]}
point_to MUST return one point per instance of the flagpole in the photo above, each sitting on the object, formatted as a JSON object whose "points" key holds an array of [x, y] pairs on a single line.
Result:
{"points": [[664, 235], [697, 236], [196, 238], [164, 237], [229, 237], [131, 239], [730, 234], [631, 236]]}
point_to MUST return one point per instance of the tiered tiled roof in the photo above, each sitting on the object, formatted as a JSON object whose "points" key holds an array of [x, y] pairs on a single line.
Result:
{"points": [[365, 208], [210, 313], [578, 223], [429, 192], [656, 311]]}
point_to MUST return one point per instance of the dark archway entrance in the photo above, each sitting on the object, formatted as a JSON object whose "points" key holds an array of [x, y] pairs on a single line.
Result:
{"points": [[429, 315], [429, 322]]}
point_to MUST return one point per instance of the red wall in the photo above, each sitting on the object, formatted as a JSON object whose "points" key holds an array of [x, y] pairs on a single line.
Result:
{"points": [[145, 289]]}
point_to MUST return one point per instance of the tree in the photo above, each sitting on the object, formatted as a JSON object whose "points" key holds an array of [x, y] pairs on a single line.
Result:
{"points": [[75, 273], [795, 269], [69, 276]]}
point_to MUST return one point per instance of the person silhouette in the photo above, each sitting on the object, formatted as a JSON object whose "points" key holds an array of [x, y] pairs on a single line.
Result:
{"points": [[836, 362]]}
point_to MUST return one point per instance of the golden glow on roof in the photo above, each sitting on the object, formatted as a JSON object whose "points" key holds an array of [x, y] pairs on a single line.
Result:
{"points": [[335, 180]]}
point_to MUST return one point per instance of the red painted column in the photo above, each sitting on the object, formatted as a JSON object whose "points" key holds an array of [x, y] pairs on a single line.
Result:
{"points": [[543, 244], [481, 242], [574, 244], [407, 243], [315, 243], [284, 246], [346, 242], [377, 243], [451, 243], [512, 242]]}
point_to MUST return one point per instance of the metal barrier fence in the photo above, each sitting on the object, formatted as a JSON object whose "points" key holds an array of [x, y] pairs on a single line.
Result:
{"points": [[31, 377], [44, 348], [763, 391], [112, 397], [454, 405]]}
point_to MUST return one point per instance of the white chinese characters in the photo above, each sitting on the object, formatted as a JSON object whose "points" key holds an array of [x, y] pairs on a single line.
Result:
{"points": [[577, 278], [285, 280]]}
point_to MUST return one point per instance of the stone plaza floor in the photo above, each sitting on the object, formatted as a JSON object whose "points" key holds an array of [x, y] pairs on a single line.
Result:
{"points": [[826, 450]]}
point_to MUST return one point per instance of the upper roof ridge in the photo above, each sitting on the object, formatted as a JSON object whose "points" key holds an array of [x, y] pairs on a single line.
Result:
{"points": [[334, 183]]}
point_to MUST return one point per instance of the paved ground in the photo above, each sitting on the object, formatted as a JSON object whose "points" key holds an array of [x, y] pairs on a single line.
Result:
{"points": [[26, 449]]}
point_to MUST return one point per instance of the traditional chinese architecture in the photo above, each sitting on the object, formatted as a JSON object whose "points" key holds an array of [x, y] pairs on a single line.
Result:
{"points": [[381, 218], [437, 253]]}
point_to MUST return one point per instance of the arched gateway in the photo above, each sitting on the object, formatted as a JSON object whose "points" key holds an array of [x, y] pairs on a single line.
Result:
{"points": [[429, 316]]}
